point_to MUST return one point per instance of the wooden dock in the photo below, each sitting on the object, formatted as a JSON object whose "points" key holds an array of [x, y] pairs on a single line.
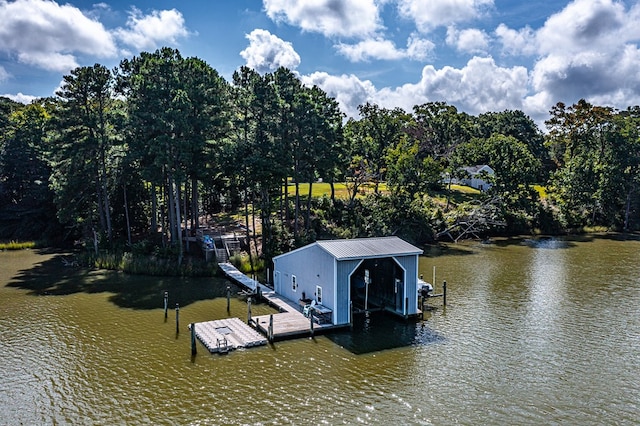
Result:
{"points": [[289, 322], [238, 277], [224, 335]]}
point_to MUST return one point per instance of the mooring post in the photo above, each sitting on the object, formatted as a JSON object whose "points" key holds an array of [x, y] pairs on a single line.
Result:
{"points": [[444, 293], [228, 299], [194, 350], [270, 332], [311, 321], [177, 318], [249, 311], [166, 303]]}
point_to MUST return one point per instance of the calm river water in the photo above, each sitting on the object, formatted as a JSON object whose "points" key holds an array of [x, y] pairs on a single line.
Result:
{"points": [[533, 333]]}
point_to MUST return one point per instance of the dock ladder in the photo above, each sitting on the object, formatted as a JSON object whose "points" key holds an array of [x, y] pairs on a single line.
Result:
{"points": [[223, 345]]}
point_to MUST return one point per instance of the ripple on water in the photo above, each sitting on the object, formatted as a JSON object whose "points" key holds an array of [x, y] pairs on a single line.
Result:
{"points": [[530, 336]]}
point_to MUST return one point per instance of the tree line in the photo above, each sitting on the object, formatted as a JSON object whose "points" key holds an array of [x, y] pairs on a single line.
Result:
{"points": [[143, 151]]}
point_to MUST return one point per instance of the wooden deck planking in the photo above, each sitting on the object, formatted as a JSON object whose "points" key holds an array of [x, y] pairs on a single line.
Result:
{"points": [[289, 322], [235, 275]]}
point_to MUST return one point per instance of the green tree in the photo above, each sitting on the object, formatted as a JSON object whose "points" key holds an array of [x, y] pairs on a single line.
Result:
{"points": [[410, 170], [629, 153], [579, 139], [320, 128], [516, 124], [27, 209], [376, 131], [515, 171], [176, 106], [83, 166], [439, 129]]}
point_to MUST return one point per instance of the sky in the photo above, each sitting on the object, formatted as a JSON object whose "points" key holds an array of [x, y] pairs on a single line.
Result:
{"points": [[478, 55]]}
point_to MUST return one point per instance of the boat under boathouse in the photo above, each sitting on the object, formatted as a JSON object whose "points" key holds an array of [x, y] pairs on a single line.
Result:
{"points": [[333, 276]]}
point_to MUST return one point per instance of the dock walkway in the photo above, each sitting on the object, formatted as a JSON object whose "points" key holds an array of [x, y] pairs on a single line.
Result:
{"points": [[289, 322], [233, 274]]}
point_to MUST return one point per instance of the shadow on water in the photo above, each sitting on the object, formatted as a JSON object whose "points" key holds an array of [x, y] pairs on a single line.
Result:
{"points": [[449, 249], [472, 247], [52, 278], [379, 331]]}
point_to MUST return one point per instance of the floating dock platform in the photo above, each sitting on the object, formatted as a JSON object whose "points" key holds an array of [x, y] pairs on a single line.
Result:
{"points": [[224, 335]]}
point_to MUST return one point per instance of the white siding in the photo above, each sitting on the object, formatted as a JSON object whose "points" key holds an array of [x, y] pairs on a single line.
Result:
{"points": [[343, 292], [311, 266], [410, 265]]}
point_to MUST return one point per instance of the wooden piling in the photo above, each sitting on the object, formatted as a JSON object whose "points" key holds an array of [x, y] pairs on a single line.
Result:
{"points": [[194, 349], [166, 304], [249, 311], [311, 321], [270, 332], [228, 299], [444, 293], [351, 315], [177, 318]]}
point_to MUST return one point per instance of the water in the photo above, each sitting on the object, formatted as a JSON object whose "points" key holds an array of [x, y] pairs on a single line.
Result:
{"points": [[534, 332]]}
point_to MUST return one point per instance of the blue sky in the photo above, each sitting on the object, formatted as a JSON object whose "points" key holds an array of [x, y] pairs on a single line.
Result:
{"points": [[479, 55]]}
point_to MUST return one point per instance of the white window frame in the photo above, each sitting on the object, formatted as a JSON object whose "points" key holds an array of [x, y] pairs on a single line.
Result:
{"points": [[319, 295], [294, 282]]}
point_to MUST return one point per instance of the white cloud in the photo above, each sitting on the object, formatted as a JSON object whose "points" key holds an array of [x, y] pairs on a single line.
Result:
{"points": [[23, 99], [478, 87], [470, 40], [589, 50], [52, 61], [267, 52], [517, 42], [4, 75], [49, 36], [583, 24], [378, 48], [150, 31], [418, 48], [349, 18], [431, 14], [370, 49], [348, 90]]}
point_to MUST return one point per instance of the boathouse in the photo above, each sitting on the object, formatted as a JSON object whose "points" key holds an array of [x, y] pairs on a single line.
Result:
{"points": [[338, 275]]}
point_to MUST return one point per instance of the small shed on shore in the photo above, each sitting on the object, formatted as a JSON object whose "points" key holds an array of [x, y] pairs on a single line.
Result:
{"points": [[363, 273]]}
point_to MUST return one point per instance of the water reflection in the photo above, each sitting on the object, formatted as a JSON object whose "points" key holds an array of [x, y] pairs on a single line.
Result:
{"points": [[378, 331], [530, 335], [51, 278], [546, 243], [546, 284]]}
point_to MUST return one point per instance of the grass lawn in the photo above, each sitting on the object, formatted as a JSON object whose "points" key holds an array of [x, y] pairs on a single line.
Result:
{"points": [[319, 189], [459, 193]]}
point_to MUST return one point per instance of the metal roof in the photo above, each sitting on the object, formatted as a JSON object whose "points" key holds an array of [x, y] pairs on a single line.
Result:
{"points": [[361, 248]]}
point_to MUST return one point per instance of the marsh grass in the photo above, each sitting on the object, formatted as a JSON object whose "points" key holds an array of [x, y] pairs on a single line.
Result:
{"points": [[137, 264], [15, 245], [241, 261]]}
